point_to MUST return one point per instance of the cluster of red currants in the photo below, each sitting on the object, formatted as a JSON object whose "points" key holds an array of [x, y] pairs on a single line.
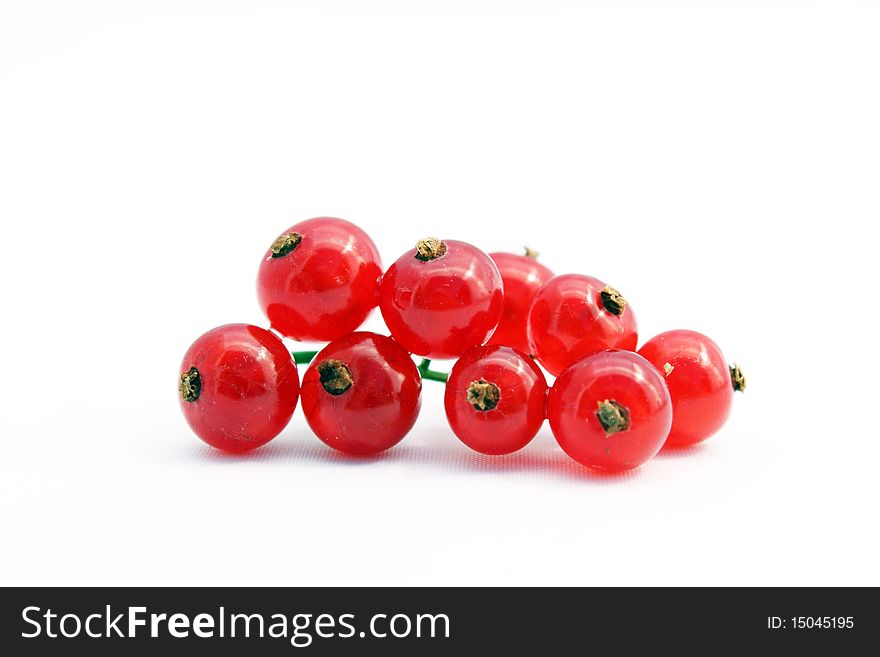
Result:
{"points": [[501, 315]]}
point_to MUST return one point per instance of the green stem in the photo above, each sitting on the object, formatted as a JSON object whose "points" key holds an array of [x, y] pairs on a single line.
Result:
{"points": [[431, 375], [303, 357]]}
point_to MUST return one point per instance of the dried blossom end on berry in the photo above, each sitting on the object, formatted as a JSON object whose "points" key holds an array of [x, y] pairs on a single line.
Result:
{"points": [[285, 244], [335, 376], [430, 248], [483, 395], [613, 417], [613, 301], [737, 378], [190, 386]]}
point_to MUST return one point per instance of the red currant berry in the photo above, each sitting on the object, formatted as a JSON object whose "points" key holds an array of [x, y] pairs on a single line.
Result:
{"points": [[318, 281], [495, 399], [441, 298], [361, 394], [610, 411], [573, 316], [522, 276], [238, 387], [700, 383]]}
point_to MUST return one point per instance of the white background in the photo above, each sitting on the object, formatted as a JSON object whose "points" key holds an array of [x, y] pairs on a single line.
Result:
{"points": [[716, 161]]}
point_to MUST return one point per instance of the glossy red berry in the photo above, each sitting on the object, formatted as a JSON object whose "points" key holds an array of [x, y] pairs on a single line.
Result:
{"points": [[610, 411], [495, 399], [319, 280], [441, 298], [522, 275], [238, 387], [573, 316], [700, 383], [361, 394]]}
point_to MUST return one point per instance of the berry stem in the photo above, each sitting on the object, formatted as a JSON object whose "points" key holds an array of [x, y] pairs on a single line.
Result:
{"points": [[431, 375], [306, 357], [303, 357]]}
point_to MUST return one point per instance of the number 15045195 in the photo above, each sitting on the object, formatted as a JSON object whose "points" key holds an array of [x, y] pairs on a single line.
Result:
{"points": [[811, 623]]}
